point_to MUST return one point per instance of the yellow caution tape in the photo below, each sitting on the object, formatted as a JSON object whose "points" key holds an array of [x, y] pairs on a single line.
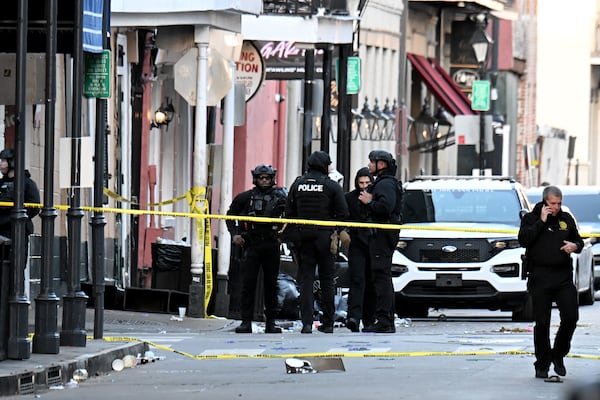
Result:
{"points": [[357, 354]]}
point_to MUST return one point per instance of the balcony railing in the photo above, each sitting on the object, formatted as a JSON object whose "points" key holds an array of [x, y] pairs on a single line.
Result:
{"points": [[304, 7]]}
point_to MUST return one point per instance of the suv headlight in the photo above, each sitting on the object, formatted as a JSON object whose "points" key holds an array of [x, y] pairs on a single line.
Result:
{"points": [[506, 270], [504, 244], [398, 270]]}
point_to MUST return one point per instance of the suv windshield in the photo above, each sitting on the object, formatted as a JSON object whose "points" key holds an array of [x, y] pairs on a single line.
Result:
{"points": [[584, 206], [461, 205]]}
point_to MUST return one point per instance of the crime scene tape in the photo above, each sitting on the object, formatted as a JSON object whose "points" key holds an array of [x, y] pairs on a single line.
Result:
{"points": [[349, 354]]}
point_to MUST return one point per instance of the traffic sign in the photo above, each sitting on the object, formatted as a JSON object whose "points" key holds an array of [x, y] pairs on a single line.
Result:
{"points": [[480, 100], [96, 80]]}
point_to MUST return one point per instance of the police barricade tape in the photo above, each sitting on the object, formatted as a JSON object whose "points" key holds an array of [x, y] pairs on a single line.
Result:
{"points": [[352, 354], [335, 224]]}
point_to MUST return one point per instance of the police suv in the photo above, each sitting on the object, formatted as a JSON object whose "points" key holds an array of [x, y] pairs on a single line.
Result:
{"points": [[458, 247]]}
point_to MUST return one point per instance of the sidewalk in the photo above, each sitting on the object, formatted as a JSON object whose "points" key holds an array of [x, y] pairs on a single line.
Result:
{"points": [[45, 370]]}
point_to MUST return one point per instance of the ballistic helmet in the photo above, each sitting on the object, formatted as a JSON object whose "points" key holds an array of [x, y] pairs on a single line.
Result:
{"points": [[263, 169], [8, 155], [319, 160], [382, 155]]}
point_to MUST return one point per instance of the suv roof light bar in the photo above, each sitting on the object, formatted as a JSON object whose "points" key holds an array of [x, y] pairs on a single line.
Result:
{"points": [[465, 177]]}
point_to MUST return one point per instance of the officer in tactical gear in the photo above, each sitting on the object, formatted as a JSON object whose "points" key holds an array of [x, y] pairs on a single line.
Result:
{"points": [[315, 196], [260, 244], [7, 194], [361, 293], [383, 200]]}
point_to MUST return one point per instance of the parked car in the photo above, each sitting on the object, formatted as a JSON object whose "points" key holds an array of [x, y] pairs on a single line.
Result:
{"points": [[459, 247], [584, 204]]}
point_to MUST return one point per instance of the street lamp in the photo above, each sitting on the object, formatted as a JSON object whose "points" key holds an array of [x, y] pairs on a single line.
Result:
{"points": [[481, 44]]}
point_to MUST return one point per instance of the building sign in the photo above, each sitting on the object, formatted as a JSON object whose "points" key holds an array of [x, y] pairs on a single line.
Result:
{"points": [[250, 69], [285, 61]]}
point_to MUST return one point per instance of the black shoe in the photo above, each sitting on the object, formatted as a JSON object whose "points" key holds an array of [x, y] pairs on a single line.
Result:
{"points": [[352, 324], [325, 328], [559, 366], [541, 373], [306, 328], [270, 327], [245, 327], [380, 327]]}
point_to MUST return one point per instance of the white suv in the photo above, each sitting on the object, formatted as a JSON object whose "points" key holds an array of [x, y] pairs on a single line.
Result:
{"points": [[459, 247]]}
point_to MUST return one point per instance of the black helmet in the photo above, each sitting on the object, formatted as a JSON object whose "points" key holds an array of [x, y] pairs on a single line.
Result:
{"points": [[320, 161], [364, 171], [8, 155], [382, 155], [263, 169]]}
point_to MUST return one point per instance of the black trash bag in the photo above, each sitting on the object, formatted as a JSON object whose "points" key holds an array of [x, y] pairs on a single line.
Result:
{"points": [[167, 257], [288, 297]]}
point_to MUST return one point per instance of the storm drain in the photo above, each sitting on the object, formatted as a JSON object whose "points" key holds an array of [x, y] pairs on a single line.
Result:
{"points": [[53, 376], [25, 383]]}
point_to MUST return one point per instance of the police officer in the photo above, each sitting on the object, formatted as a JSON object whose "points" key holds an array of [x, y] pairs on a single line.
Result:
{"points": [[383, 200], [7, 193], [550, 235], [361, 294], [260, 244], [315, 196]]}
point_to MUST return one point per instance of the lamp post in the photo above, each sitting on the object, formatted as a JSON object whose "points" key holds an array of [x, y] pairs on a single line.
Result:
{"points": [[481, 43], [425, 128]]}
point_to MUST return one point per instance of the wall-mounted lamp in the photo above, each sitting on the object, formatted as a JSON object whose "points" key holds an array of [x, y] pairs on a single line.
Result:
{"points": [[432, 133], [163, 115], [424, 126]]}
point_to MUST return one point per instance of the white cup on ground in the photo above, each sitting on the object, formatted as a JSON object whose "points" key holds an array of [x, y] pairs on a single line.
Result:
{"points": [[182, 311]]}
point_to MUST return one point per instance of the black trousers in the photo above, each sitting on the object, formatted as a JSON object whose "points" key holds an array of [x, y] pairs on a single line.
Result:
{"points": [[315, 252], [381, 248], [361, 293], [548, 285], [259, 255]]}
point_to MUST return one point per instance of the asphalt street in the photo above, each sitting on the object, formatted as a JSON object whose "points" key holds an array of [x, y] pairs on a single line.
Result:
{"points": [[453, 354]]}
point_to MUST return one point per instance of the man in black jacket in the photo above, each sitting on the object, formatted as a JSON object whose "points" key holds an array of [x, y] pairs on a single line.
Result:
{"points": [[361, 293], [7, 193], [383, 200], [550, 236], [260, 243], [315, 196]]}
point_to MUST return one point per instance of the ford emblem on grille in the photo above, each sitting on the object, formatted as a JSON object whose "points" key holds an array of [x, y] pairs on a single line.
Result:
{"points": [[449, 249]]}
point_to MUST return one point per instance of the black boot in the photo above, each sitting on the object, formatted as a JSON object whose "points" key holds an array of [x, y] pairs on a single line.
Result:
{"points": [[270, 327], [245, 327]]}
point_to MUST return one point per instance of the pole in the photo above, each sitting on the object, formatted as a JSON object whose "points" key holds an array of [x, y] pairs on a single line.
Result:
{"points": [[196, 302], [46, 339], [98, 221], [309, 77], [222, 298], [344, 112], [74, 301], [18, 304], [326, 118]]}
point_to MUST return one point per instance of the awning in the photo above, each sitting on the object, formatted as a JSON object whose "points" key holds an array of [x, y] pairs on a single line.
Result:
{"points": [[441, 85]]}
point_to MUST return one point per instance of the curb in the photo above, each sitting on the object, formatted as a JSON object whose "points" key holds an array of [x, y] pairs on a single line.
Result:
{"points": [[32, 378]]}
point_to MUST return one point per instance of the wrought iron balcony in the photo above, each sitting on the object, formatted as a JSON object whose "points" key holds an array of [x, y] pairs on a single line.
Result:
{"points": [[305, 7]]}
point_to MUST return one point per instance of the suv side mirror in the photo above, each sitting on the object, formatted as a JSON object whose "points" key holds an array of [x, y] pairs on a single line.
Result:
{"points": [[522, 213]]}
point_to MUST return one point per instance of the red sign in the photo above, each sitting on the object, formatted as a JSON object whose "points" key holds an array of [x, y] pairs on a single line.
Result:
{"points": [[250, 69]]}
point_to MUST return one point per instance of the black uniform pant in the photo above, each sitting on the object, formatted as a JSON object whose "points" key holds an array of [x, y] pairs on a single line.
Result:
{"points": [[361, 292], [548, 285], [315, 251], [381, 248], [259, 255]]}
